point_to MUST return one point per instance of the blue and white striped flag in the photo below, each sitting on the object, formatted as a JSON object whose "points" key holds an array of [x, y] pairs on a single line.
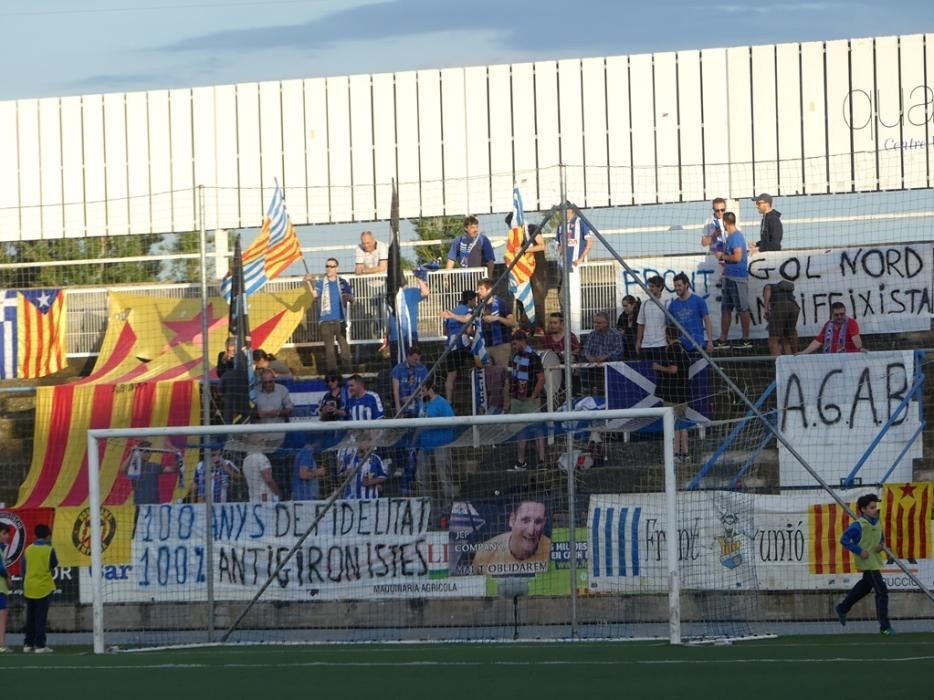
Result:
{"points": [[272, 252], [9, 346], [614, 538], [478, 345], [520, 275]]}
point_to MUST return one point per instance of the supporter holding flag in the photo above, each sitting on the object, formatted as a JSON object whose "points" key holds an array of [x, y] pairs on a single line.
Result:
{"points": [[521, 247], [463, 340]]}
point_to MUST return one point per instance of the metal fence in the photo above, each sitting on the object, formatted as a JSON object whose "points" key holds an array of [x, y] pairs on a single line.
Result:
{"points": [[88, 312]]}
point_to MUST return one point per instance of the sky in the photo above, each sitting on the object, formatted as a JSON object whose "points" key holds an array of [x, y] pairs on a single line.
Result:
{"points": [[73, 47]]}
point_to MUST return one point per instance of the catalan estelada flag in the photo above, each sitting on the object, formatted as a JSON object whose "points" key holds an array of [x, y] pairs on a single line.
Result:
{"points": [[827, 556], [272, 252], [906, 519], [32, 333], [521, 274], [146, 375]]}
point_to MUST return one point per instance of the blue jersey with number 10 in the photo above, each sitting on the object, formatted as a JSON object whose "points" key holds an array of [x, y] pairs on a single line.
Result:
{"points": [[366, 407]]}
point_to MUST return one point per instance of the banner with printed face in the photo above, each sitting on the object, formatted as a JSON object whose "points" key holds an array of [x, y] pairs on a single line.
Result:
{"points": [[727, 541], [361, 549], [507, 546], [887, 288], [831, 408]]}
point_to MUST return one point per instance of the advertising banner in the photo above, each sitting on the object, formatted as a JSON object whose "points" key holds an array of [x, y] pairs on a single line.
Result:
{"points": [[733, 541]]}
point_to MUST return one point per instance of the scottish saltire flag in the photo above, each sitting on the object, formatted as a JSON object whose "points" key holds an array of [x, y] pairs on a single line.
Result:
{"points": [[632, 385], [272, 252], [614, 540], [521, 274], [32, 333]]}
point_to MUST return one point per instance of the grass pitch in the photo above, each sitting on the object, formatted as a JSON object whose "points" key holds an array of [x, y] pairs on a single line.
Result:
{"points": [[796, 667]]}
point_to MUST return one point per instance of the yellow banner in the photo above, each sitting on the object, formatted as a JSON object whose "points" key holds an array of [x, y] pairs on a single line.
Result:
{"points": [[71, 537]]}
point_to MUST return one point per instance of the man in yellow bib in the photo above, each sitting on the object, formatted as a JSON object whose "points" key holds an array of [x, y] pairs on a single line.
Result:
{"points": [[865, 539], [39, 561]]}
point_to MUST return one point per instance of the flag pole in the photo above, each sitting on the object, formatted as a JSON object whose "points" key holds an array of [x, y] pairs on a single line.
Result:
{"points": [[304, 263]]}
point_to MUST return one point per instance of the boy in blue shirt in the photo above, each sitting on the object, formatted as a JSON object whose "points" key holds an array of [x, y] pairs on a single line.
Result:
{"points": [[866, 540]]}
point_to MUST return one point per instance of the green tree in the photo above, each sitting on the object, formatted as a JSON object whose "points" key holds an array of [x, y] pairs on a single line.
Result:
{"points": [[184, 270], [22, 253], [430, 228]]}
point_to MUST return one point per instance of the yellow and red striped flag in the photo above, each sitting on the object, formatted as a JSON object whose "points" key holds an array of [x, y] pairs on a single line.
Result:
{"points": [[521, 274], [827, 556], [32, 333], [906, 519], [272, 252]]}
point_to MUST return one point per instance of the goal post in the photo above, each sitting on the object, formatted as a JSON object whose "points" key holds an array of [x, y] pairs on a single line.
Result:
{"points": [[185, 610]]}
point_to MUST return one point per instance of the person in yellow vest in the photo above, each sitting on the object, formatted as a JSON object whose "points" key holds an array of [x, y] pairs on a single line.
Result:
{"points": [[4, 584], [866, 540], [39, 561]]}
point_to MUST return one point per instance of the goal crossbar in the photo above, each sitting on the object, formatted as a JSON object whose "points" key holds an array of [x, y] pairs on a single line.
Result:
{"points": [[666, 414]]}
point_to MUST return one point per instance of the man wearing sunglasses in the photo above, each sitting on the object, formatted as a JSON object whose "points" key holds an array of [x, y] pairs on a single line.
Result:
{"points": [[839, 334], [714, 233], [333, 294]]}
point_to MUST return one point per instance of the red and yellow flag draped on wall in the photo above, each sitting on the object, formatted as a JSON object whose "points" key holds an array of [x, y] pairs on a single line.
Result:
{"points": [[827, 555], [147, 375], [906, 519]]}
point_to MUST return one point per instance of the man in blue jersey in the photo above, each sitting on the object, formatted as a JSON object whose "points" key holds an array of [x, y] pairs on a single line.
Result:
{"points": [[580, 240], [332, 294], [459, 334], [223, 470], [362, 404], [408, 318], [523, 393], [306, 475], [496, 324], [579, 243], [433, 475], [369, 474], [690, 310], [407, 377], [472, 248], [735, 284]]}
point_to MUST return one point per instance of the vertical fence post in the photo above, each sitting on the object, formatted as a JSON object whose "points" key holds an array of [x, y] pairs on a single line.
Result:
{"points": [[207, 464], [97, 555], [671, 518]]}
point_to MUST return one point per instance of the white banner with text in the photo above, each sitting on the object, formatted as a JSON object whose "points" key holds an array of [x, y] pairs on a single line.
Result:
{"points": [[887, 288], [832, 408]]}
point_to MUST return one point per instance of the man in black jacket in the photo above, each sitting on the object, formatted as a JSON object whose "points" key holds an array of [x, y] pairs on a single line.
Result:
{"points": [[770, 230]]}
